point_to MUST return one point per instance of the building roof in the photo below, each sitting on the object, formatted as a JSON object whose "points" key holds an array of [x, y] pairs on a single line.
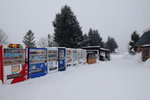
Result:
{"points": [[95, 48], [144, 40], [91, 47], [104, 49]]}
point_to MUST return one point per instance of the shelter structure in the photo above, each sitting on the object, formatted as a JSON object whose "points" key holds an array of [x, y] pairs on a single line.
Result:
{"points": [[103, 54], [143, 46]]}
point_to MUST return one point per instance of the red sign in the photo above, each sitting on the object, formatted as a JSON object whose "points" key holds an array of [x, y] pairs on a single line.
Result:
{"points": [[1, 64]]}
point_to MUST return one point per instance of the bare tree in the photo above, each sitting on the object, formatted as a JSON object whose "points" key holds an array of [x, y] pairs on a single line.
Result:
{"points": [[51, 42], [47, 42], [43, 42], [3, 38]]}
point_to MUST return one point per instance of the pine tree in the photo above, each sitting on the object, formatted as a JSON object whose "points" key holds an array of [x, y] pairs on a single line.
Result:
{"points": [[85, 41], [28, 39], [102, 44], [67, 31], [43, 42], [111, 44], [134, 38], [94, 38]]}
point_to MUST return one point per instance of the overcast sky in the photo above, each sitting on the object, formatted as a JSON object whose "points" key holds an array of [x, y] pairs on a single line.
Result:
{"points": [[116, 18]]}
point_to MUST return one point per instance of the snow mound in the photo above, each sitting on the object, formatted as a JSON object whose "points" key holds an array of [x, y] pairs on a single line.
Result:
{"points": [[147, 63], [127, 56], [136, 58], [122, 78]]}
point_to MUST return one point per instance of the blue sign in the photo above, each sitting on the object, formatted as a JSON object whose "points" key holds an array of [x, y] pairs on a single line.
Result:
{"points": [[61, 59], [37, 62]]}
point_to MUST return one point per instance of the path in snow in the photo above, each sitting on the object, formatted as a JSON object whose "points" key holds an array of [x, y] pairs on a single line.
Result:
{"points": [[120, 79]]}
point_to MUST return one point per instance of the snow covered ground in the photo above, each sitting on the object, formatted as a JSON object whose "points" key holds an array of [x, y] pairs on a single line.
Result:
{"points": [[123, 78]]}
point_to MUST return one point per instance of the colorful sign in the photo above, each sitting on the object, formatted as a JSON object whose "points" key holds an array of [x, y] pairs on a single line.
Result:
{"points": [[61, 59], [37, 62], [15, 69], [52, 57]]}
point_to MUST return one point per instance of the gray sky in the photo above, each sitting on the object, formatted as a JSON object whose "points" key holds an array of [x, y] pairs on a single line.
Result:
{"points": [[116, 18]]}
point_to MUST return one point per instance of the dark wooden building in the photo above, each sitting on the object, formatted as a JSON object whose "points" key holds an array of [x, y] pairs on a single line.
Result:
{"points": [[143, 46], [103, 54]]}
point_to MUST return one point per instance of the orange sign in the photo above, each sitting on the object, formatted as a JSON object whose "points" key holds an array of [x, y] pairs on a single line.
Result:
{"points": [[14, 45]]}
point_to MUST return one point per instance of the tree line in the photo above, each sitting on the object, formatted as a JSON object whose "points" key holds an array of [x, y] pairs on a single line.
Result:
{"points": [[68, 33]]}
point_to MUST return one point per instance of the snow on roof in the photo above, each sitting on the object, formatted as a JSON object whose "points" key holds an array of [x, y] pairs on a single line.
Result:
{"points": [[144, 40], [61, 47], [53, 48], [96, 47], [104, 49], [92, 47], [91, 50], [146, 45]]}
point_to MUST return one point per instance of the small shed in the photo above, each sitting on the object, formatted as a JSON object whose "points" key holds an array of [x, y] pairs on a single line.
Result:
{"points": [[143, 46], [103, 54], [91, 57]]}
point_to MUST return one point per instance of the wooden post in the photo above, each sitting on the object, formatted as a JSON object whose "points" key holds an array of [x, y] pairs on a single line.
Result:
{"points": [[142, 54], [149, 52]]}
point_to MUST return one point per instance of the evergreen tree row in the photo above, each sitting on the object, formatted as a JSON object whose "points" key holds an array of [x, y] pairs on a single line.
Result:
{"points": [[93, 38], [111, 44], [68, 33]]}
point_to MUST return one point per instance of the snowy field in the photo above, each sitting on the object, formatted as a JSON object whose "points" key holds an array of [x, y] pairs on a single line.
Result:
{"points": [[123, 78]]}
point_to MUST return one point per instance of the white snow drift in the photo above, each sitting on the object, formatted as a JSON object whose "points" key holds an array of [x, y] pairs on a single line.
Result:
{"points": [[123, 78]]}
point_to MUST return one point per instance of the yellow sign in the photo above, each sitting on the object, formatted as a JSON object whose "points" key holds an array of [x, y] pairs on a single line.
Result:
{"points": [[14, 45]]}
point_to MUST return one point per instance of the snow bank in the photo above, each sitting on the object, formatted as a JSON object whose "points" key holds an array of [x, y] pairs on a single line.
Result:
{"points": [[126, 56], [135, 58], [147, 63], [118, 79]]}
